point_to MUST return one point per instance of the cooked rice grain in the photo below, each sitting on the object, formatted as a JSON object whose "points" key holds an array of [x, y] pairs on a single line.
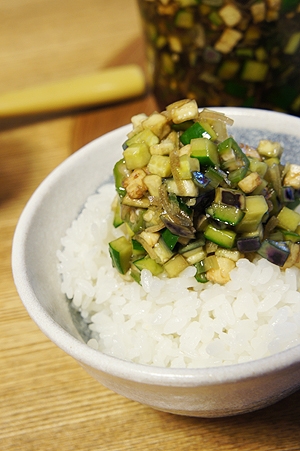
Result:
{"points": [[174, 322]]}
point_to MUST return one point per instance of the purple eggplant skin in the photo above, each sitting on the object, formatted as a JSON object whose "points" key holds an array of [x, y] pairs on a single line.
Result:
{"points": [[248, 244], [237, 199], [203, 201], [200, 179], [288, 194], [275, 252]]}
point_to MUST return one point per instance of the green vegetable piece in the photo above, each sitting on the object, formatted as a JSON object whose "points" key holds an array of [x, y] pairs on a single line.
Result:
{"points": [[182, 126], [120, 251], [175, 265], [256, 208], [228, 69], [288, 219], [169, 238], [255, 71], [275, 252], [228, 214], [293, 44], [290, 236], [137, 156], [193, 244], [205, 151], [184, 19], [120, 172], [150, 264], [200, 275], [145, 136], [137, 248], [160, 165], [118, 220], [235, 89], [258, 166], [223, 237], [229, 150], [289, 5], [194, 131]]}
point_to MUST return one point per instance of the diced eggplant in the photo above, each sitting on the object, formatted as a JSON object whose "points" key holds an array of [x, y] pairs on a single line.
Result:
{"points": [[230, 197], [248, 244], [203, 201], [200, 179], [275, 252], [288, 194]]}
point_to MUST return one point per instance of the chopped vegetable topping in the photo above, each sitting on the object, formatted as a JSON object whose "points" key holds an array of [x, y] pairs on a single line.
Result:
{"points": [[195, 197], [225, 52]]}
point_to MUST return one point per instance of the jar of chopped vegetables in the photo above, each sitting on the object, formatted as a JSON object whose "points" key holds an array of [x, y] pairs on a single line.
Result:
{"points": [[224, 52]]}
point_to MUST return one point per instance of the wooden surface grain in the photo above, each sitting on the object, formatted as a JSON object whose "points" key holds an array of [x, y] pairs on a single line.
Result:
{"points": [[47, 401]]}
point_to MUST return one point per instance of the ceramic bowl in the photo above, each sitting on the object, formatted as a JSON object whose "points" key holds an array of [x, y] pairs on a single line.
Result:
{"points": [[208, 392]]}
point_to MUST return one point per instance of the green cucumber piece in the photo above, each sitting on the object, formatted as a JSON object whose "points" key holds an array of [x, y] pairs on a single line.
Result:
{"points": [[205, 151], [223, 237], [120, 173], [118, 220], [150, 264], [137, 248], [145, 136], [137, 155], [194, 131], [169, 238], [288, 219], [120, 251], [228, 214]]}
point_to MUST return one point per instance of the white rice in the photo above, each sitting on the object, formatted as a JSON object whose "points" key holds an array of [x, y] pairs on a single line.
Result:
{"points": [[174, 322]]}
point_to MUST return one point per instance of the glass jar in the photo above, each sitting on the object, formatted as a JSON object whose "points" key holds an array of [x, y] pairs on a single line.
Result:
{"points": [[224, 52]]}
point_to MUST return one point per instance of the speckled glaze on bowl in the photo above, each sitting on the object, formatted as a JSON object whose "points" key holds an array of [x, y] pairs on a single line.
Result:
{"points": [[209, 392]]}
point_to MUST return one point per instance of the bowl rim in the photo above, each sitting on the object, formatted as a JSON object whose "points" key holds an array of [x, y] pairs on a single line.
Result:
{"points": [[146, 374]]}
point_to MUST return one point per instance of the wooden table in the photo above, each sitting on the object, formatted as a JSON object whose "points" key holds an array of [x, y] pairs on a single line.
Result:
{"points": [[47, 401]]}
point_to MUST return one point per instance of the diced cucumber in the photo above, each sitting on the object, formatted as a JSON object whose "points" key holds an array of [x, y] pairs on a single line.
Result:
{"points": [[169, 238], [288, 219], [184, 19], [175, 265], [205, 151], [193, 244], [194, 131], [229, 69], [118, 220], [255, 71], [292, 44], [120, 251], [222, 237], [194, 255], [120, 172], [162, 252], [228, 214], [290, 236], [258, 166], [256, 207], [145, 136], [150, 264], [137, 248], [137, 156], [159, 165]]}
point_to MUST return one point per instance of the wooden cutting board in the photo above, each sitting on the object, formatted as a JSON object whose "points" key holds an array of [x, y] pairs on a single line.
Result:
{"points": [[89, 125]]}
